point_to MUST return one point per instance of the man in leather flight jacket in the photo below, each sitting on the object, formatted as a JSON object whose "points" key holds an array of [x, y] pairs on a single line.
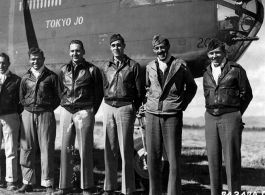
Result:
{"points": [[39, 96], [81, 92], [10, 109], [122, 95], [170, 88], [227, 95]]}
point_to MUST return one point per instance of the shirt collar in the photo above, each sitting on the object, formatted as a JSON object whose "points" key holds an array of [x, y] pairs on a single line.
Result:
{"points": [[6, 73], [113, 60], [71, 64], [37, 71], [222, 64], [78, 64]]}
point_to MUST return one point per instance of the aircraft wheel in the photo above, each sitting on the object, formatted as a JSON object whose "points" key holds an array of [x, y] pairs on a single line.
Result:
{"points": [[140, 165], [140, 160]]}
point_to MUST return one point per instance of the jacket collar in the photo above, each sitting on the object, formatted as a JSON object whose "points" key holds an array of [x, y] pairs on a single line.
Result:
{"points": [[44, 70], [174, 67], [125, 61], [70, 65], [225, 69]]}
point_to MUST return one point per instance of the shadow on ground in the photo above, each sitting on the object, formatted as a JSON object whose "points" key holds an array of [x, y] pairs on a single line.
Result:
{"points": [[195, 175]]}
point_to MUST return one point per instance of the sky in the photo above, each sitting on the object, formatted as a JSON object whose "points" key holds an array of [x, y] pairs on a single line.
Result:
{"points": [[253, 61]]}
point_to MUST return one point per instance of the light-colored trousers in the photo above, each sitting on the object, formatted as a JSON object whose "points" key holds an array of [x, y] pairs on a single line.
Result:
{"points": [[9, 130], [80, 124], [118, 126], [38, 130]]}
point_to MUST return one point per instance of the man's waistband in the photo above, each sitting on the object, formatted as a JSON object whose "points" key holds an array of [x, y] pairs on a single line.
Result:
{"points": [[74, 109], [220, 111], [117, 103]]}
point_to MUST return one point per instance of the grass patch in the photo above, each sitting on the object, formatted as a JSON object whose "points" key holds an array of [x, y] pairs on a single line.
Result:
{"points": [[194, 165]]}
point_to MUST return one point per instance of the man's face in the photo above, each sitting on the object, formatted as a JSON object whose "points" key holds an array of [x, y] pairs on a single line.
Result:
{"points": [[4, 64], [161, 50], [36, 60], [117, 48], [216, 56], [76, 53]]}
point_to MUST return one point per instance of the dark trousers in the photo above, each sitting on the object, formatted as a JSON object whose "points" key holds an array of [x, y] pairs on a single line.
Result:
{"points": [[224, 132], [164, 130]]}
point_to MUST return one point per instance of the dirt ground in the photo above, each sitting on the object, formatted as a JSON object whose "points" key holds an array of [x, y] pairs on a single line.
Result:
{"points": [[194, 166]]}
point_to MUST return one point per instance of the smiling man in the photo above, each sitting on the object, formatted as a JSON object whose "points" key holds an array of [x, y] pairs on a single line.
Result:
{"points": [[10, 108], [39, 96], [81, 95], [170, 88], [227, 95], [122, 95]]}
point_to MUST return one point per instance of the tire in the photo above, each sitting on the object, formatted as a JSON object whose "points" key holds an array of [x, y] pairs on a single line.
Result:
{"points": [[141, 172]]}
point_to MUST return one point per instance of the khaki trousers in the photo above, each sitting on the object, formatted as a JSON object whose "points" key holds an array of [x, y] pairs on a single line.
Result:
{"points": [[80, 124], [38, 130], [9, 130], [118, 126]]}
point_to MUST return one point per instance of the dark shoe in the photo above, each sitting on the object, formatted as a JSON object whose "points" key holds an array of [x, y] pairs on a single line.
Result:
{"points": [[49, 190], [10, 186], [87, 192], [66, 191], [25, 188], [110, 192], [3, 185]]}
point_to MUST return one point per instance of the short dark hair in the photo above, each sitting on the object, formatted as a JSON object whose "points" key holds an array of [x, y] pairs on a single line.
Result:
{"points": [[4, 55], [77, 42], [35, 50], [214, 44]]}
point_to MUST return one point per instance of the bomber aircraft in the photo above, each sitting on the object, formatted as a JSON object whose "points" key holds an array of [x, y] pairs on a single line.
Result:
{"points": [[189, 25]]}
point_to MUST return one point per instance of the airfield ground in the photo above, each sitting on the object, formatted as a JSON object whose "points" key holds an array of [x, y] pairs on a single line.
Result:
{"points": [[195, 175]]}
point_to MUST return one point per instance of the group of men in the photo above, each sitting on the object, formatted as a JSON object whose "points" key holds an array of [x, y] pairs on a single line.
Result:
{"points": [[79, 89]]}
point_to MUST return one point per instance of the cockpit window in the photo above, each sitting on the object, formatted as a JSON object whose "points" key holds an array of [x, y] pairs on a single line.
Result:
{"points": [[230, 19], [130, 3], [249, 5], [237, 22]]}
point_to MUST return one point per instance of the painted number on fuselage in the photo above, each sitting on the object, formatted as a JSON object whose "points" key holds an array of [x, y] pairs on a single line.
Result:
{"points": [[203, 42]]}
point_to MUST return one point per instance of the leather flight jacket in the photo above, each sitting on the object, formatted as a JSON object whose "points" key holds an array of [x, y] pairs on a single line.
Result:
{"points": [[232, 92], [80, 86], [9, 95], [39, 94], [122, 85], [177, 92]]}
